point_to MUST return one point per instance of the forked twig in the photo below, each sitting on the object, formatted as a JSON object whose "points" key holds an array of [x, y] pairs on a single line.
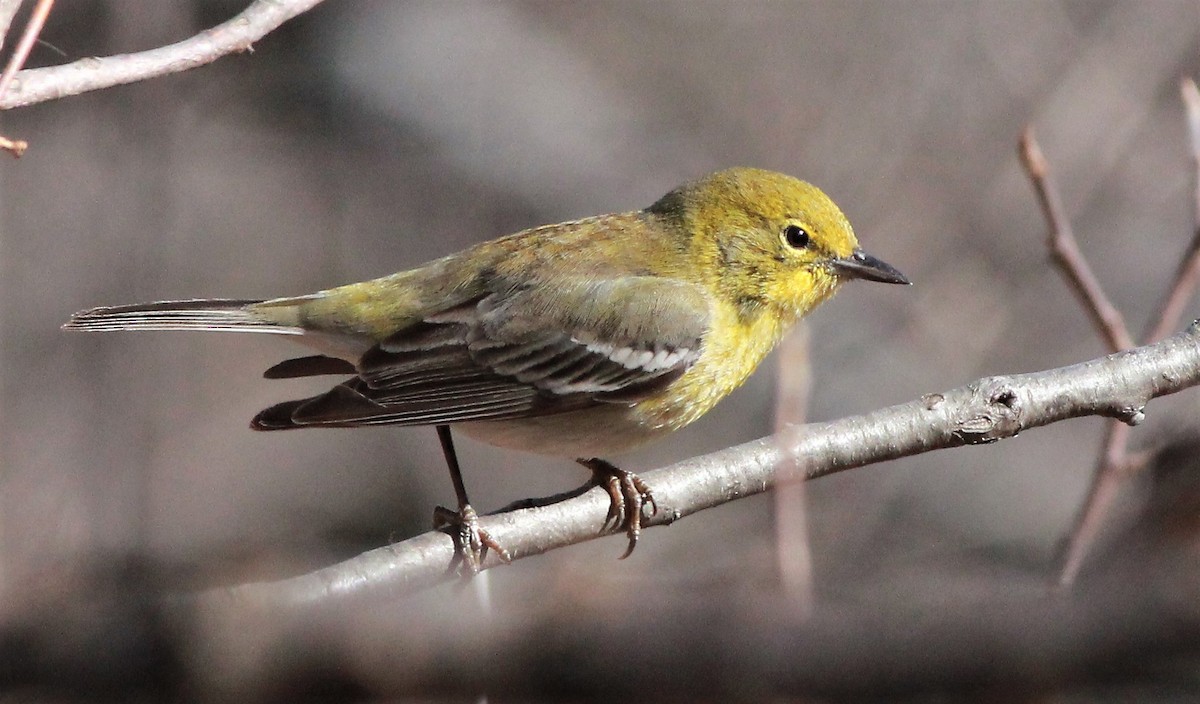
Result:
{"points": [[1114, 463], [1170, 311], [1109, 323], [33, 28], [37, 20], [1065, 250], [94, 73]]}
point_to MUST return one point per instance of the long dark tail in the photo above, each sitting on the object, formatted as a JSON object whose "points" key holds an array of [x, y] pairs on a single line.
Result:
{"points": [[226, 315]]}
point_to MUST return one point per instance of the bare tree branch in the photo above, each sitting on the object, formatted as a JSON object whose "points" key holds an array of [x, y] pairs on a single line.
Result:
{"points": [[1114, 462], [33, 28], [8, 10], [1065, 250], [238, 34], [1109, 322], [985, 411], [1170, 310], [793, 555], [1106, 480]]}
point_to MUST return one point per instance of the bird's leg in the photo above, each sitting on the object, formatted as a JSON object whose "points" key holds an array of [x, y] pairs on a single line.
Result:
{"points": [[628, 496], [471, 541]]}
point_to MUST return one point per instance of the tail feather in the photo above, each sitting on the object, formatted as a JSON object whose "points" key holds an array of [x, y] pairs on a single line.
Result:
{"points": [[227, 315], [278, 417]]}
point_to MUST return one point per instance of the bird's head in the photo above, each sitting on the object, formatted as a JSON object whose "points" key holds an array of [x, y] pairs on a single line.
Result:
{"points": [[765, 239]]}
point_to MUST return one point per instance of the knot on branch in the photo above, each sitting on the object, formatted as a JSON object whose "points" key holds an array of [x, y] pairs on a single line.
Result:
{"points": [[1130, 415], [994, 412]]}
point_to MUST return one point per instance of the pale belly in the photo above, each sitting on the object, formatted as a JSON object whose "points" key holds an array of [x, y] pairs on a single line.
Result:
{"points": [[601, 431]]}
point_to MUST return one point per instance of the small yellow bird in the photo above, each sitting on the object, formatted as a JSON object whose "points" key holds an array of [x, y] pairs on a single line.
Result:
{"points": [[576, 340]]}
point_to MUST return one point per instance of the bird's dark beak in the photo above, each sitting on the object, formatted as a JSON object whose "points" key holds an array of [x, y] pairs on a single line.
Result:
{"points": [[861, 265]]}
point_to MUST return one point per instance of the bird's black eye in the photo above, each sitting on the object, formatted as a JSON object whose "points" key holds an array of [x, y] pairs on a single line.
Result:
{"points": [[795, 236]]}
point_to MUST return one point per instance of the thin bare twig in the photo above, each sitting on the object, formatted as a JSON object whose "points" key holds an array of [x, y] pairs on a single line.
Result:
{"points": [[8, 10], [238, 34], [987, 410], [16, 147], [1170, 310], [1111, 469], [1065, 250], [793, 554], [37, 20]]}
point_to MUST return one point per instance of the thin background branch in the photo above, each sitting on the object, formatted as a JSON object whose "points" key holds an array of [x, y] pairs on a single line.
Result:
{"points": [[1065, 250], [793, 554], [238, 34], [988, 410], [1170, 310], [1114, 461], [37, 20], [8, 10]]}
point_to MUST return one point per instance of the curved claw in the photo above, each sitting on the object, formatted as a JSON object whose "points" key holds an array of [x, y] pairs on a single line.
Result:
{"points": [[628, 497], [471, 543], [616, 504]]}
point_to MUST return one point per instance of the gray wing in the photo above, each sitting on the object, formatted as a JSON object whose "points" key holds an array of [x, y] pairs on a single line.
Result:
{"points": [[512, 354]]}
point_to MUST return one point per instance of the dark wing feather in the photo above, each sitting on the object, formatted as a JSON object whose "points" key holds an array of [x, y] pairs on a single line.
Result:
{"points": [[316, 365], [518, 353]]}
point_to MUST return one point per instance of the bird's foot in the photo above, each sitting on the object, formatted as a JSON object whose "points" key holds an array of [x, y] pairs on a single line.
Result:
{"points": [[471, 543], [628, 497]]}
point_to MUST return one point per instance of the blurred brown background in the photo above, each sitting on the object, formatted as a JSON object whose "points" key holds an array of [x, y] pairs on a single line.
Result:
{"points": [[368, 137]]}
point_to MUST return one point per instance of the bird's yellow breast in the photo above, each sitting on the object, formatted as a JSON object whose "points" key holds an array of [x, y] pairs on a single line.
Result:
{"points": [[734, 347], [736, 343]]}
